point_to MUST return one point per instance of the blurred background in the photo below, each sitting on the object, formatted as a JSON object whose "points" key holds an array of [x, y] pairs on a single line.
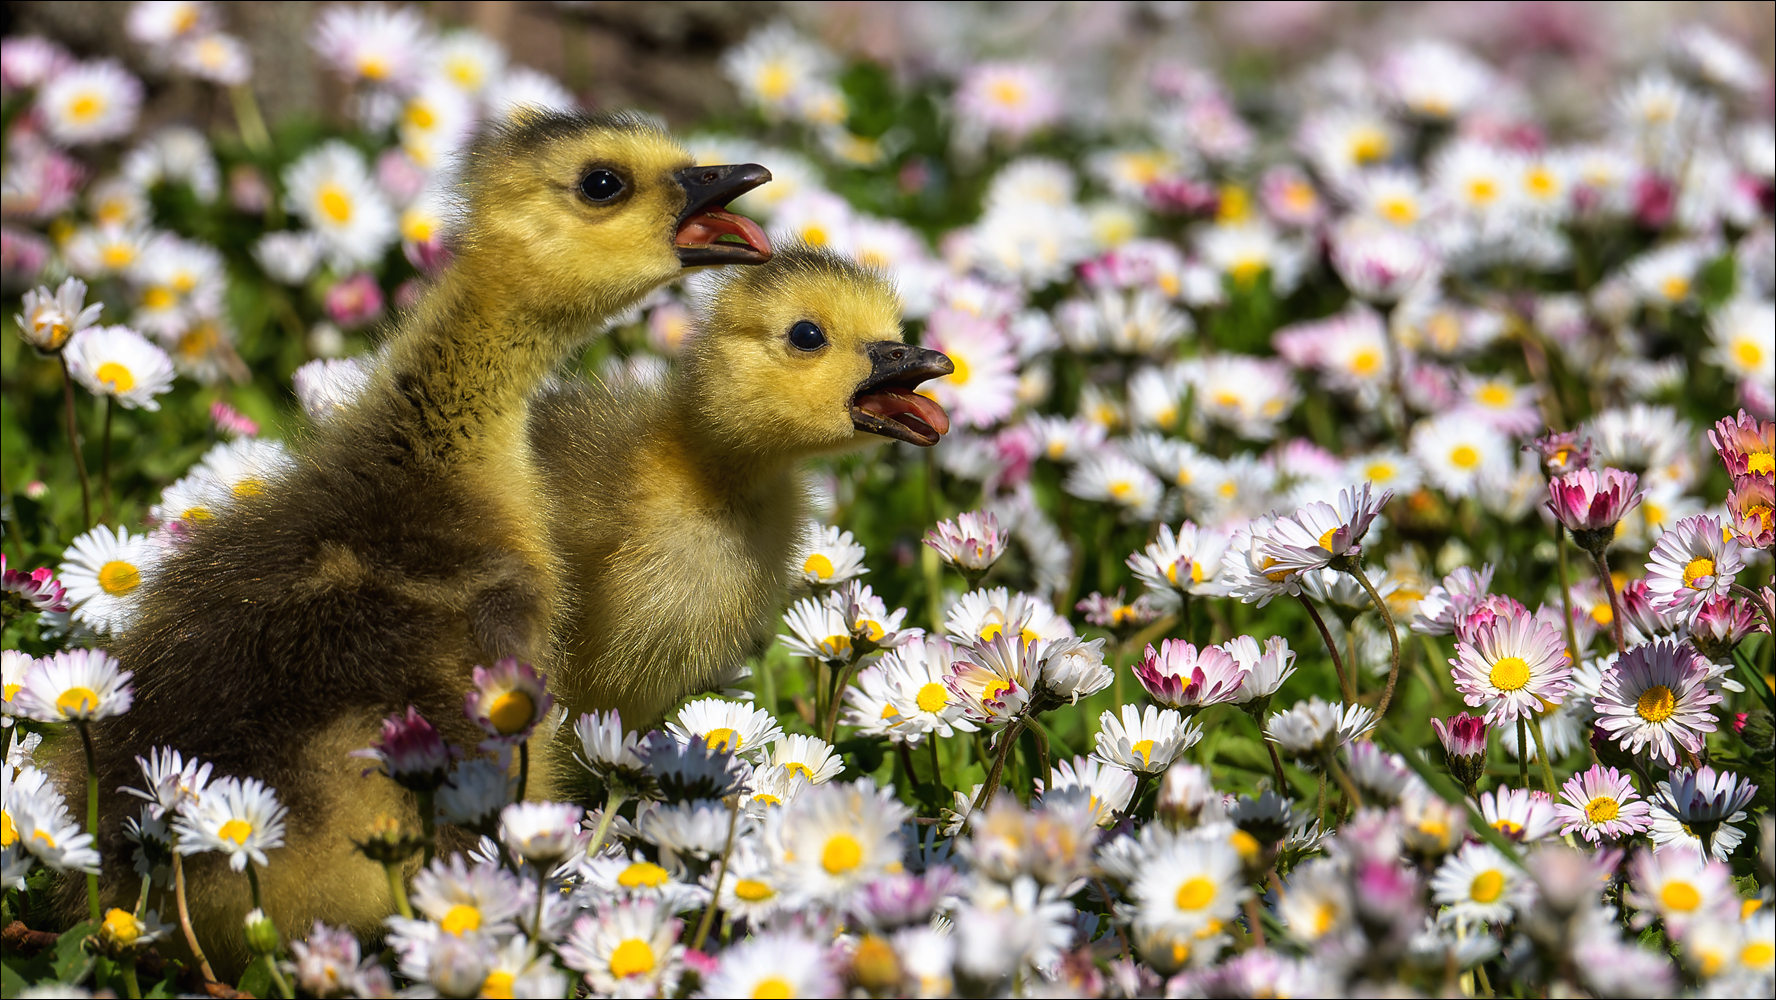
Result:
{"points": [[663, 55]]}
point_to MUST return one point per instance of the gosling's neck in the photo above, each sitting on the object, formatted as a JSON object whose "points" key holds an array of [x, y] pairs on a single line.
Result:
{"points": [[462, 369], [732, 467]]}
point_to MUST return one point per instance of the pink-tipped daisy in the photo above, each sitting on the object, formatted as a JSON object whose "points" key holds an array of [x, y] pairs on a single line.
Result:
{"points": [[1514, 666], [1691, 563], [1655, 697], [508, 701], [1181, 676], [1601, 804]]}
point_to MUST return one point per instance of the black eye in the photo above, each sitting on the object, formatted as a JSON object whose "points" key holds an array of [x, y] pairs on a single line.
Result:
{"points": [[807, 336], [601, 185]]}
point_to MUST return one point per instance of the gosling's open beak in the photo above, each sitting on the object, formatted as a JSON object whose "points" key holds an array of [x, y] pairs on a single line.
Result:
{"points": [[705, 219], [886, 404]]}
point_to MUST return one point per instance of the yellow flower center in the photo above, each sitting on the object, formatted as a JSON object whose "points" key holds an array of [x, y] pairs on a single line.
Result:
{"points": [[1009, 93], [1245, 273], [511, 712], [1656, 704], [1696, 569], [86, 107], [121, 926], [797, 767], [1399, 210], [118, 255], [237, 830], [1760, 463], [753, 891], [461, 919], [818, 566], [9, 834], [1247, 845], [889, 711], [1120, 489], [1675, 287], [78, 701], [642, 873], [335, 203], [1494, 395], [814, 234], [933, 697], [1541, 182], [774, 81], [722, 738], [1482, 190], [1487, 886], [420, 116], [1196, 893], [1602, 809], [1366, 361], [766, 798], [1368, 144], [158, 297], [1299, 196], [1326, 539], [45, 837], [116, 376], [499, 985], [1323, 918], [118, 577], [1464, 456], [841, 854], [417, 225], [1510, 673], [1757, 953], [632, 958], [1508, 827], [1603, 614], [373, 66], [465, 71], [773, 988], [1680, 896], [1749, 355], [1145, 749], [1236, 205], [1274, 577]]}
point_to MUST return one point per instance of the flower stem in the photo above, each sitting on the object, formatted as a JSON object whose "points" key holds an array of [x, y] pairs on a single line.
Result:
{"points": [[132, 988], [1535, 729], [1322, 798], [1387, 693], [92, 814], [1344, 782], [1344, 687], [398, 889], [1253, 921], [1609, 585], [278, 980], [721, 873], [203, 964], [1522, 754], [428, 825], [1007, 737], [105, 462], [253, 881], [247, 117], [835, 701], [536, 923], [523, 769], [612, 801], [1566, 600], [1277, 763], [86, 511]]}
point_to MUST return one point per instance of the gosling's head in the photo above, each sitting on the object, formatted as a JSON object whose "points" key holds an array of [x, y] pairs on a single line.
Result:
{"points": [[804, 355], [585, 214]]}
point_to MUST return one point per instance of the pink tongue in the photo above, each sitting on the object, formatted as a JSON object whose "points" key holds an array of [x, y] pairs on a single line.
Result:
{"points": [[706, 227], [887, 403]]}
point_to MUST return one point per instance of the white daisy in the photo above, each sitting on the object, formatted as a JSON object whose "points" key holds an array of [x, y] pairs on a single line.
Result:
{"points": [[1112, 478], [629, 949], [980, 615], [809, 756], [818, 630], [51, 836], [242, 818], [1250, 395], [1744, 335], [542, 833], [469, 60], [1479, 885], [90, 102], [462, 898], [217, 57], [1695, 561], [330, 188], [836, 837], [74, 685], [1680, 889], [1146, 742], [725, 725], [1314, 729], [1106, 790], [1454, 449], [914, 699], [48, 319], [373, 43], [119, 363], [98, 251], [827, 556], [774, 964], [523, 87], [102, 571], [1190, 885]]}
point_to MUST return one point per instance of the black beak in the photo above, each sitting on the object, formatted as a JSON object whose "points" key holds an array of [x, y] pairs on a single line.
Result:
{"points": [[705, 219], [886, 404]]}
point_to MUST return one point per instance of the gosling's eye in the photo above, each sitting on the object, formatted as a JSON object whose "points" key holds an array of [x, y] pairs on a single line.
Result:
{"points": [[601, 185], [807, 336]]}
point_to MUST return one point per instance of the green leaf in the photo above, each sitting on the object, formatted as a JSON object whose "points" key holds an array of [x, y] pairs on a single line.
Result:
{"points": [[71, 963], [11, 982], [256, 980]]}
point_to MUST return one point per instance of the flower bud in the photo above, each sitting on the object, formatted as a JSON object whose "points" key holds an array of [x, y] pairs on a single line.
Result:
{"points": [[874, 966], [120, 929], [262, 934], [1464, 746]]}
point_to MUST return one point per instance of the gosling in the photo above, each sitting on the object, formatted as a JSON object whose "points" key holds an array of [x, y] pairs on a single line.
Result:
{"points": [[675, 506], [408, 544]]}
